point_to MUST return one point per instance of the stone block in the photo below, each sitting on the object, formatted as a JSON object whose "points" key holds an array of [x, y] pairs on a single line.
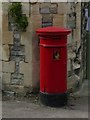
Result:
{"points": [[78, 44], [17, 78], [78, 23], [4, 22], [77, 34], [17, 36], [48, 8], [42, 5], [0, 82], [26, 8], [78, 7], [0, 66], [36, 21], [35, 48], [65, 20], [0, 34], [69, 38], [35, 53], [58, 1], [15, 1], [63, 8], [17, 50], [47, 0], [47, 18], [35, 74], [35, 9], [0, 51], [5, 52], [41, 1], [45, 10], [71, 55], [28, 53], [47, 24], [7, 37], [8, 67], [53, 8], [29, 27], [58, 20], [17, 58], [68, 65], [6, 77], [0, 22], [78, 15], [19, 90], [35, 38], [26, 69], [26, 39], [72, 82], [5, 6], [12, 90], [33, 1], [76, 66]]}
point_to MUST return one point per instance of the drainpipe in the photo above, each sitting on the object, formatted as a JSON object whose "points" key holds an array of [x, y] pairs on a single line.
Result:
{"points": [[88, 45]]}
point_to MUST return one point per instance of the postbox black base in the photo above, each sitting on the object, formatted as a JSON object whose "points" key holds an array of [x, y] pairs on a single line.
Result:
{"points": [[53, 100]]}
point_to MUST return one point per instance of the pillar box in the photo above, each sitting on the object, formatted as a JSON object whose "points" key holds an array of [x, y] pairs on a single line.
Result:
{"points": [[53, 65]]}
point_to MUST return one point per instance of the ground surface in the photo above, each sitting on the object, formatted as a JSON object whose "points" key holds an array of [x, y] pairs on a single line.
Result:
{"points": [[31, 107]]}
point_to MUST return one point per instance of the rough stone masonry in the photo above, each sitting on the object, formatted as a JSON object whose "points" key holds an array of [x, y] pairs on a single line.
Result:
{"points": [[20, 54]]}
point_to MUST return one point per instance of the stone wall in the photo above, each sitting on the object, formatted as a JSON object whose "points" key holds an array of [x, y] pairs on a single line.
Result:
{"points": [[20, 55], [0, 45], [84, 39]]}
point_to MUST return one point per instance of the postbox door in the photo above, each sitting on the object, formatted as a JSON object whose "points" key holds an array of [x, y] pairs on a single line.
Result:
{"points": [[54, 67]]}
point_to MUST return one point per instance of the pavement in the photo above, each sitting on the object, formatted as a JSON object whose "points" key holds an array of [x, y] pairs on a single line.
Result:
{"points": [[29, 108], [84, 90], [0, 110]]}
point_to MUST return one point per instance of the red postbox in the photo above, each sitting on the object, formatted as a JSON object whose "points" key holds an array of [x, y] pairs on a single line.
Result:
{"points": [[53, 65]]}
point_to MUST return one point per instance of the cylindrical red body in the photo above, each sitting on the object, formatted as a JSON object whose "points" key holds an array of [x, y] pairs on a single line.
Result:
{"points": [[53, 72], [53, 60]]}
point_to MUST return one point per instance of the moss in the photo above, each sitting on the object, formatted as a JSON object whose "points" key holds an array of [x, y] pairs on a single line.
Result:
{"points": [[15, 11]]}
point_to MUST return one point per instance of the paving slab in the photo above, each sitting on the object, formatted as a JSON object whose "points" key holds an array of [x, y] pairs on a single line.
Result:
{"points": [[30, 109]]}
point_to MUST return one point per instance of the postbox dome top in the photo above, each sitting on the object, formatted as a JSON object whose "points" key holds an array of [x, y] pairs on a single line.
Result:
{"points": [[53, 30]]}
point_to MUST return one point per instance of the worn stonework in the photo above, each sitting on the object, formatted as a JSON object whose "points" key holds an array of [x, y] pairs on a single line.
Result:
{"points": [[7, 37], [6, 78], [35, 22], [8, 67], [17, 54], [63, 8], [17, 78], [47, 20], [21, 53], [26, 40], [54, 8], [35, 9], [45, 8], [0, 47], [26, 8], [5, 22], [58, 20], [5, 52], [26, 70]]}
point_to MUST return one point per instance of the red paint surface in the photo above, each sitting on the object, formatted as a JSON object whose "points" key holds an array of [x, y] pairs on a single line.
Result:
{"points": [[53, 73], [52, 31]]}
